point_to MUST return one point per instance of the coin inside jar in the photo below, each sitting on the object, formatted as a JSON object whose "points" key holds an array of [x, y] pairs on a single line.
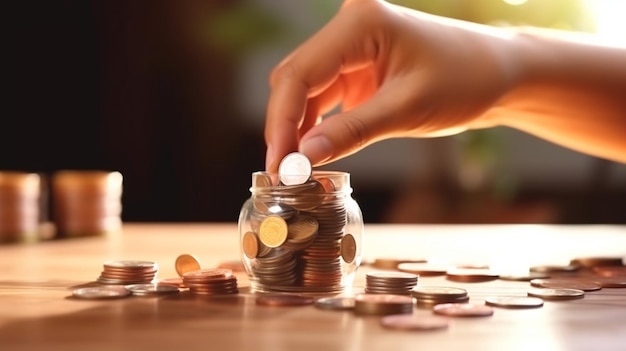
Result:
{"points": [[250, 245], [273, 231], [348, 248]]}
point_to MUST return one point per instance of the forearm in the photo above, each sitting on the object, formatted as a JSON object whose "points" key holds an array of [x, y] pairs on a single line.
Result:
{"points": [[570, 93]]}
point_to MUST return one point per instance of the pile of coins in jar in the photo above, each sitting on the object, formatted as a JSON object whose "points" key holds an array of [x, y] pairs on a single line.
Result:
{"points": [[294, 235]]}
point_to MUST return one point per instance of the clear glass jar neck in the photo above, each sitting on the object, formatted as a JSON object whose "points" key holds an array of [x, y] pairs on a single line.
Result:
{"points": [[333, 182]]}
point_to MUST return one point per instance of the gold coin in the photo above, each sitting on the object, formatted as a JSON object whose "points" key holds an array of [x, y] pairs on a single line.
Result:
{"points": [[348, 248], [302, 228], [186, 263], [273, 231], [250, 245]]}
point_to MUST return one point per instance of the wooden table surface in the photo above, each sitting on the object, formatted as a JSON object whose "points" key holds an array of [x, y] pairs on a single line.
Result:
{"points": [[36, 281]]}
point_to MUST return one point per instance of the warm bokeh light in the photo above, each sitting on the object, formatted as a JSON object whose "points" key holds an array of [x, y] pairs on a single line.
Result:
{"points": [[515, 2], [610, 25]]}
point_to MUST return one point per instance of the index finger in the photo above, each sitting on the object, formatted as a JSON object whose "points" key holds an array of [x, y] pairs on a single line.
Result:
{"points": [[341, 46]]}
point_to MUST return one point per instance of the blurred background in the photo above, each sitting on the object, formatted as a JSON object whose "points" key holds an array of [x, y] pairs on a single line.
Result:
{"points": [[172, 94]]}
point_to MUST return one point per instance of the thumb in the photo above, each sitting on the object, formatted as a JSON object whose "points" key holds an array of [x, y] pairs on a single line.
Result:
{"points": [[343, 134]]}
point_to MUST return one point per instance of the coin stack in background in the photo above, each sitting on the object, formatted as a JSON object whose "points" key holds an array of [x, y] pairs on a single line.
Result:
{"points": [[301, 230], [428, 297], [86, 202], [125, 272], [20, 195], [383, 282]]}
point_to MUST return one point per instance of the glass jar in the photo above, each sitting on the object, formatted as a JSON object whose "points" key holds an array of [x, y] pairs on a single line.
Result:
{"points": [[301, 238]]}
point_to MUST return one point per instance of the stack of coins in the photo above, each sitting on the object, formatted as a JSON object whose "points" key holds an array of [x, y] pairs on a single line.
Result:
{"points": [[383, 282], [428, 297], [382, 304], [19, 206], [128, 272], [211, 281], [86, 202], [298, 241]]}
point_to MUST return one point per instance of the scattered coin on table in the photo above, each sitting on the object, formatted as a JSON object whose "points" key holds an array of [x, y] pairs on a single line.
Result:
{"points": [[568, 283], [154, 289], [335, 303], [283, 300], [556, 294], [463, 310], [382, 304], [514, 302], [186, 263], [101, 292], [423, 269], [392, 263], [555, 269], [470, 275], [526, 276], [413, 322], [597, 261]]}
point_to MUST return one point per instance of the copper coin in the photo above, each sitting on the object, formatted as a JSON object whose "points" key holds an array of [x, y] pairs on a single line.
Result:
{"points": [[556, 294], [555, 269], [284, 300], [186, 263], [610, 271], [566, 283], [611, 282], [383, 304], [597, 261], [250, 245], [177, 282], [392, 263], [130, 264], [514, 301], [438, 292], [463, 310], [208, 273], [470, 275], [413, 322], [234, 265], [422, 269], [348, 248]]}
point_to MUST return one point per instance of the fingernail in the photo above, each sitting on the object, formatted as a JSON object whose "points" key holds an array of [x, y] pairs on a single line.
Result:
{"points": [[318, 149]]}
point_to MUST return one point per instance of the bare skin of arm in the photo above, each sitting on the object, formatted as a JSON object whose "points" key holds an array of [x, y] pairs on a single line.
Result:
{"points": [[397, 73]]}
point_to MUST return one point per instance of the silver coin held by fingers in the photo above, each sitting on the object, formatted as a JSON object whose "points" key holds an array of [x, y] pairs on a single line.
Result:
{"points": [[294, 169]]}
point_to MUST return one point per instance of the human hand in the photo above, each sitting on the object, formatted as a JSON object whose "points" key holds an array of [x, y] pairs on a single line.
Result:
{"points": [[394, 71]]}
